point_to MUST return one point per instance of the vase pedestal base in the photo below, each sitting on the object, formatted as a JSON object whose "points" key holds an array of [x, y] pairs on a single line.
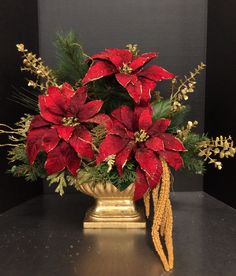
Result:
{"points": [[114, 213]]}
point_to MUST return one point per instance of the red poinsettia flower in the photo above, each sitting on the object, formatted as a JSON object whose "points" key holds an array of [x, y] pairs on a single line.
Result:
{"points": [[128, 71], [135, 135], [60, 129]]}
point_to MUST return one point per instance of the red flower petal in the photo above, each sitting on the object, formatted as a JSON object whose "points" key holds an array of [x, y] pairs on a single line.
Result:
{"points": [[102, 55], [98, 70], [46, 114], [67, 90], [123, 156], [34, 143], [153, 182], [158, 127], [171, 142], [61, 157], [39, 137], [139, 61], [81, 141], [72, 160], [102, 119], [38, 122], [141, 185], [172, 158], [118, 129], [50, 139], [78, 100], [137, 112], [155, 144], [123, 79], [155, 73], [119, 56], [125, 115], [115, 56], [135, 91], [147, 87], [147, 160], [89, 109], [55, 102], [55, 160], [64, 132], [111, 145], [145, 119]]}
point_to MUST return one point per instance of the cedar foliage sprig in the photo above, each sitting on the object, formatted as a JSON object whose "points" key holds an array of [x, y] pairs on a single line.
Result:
{"points": [[17, 156], [100, 174]]}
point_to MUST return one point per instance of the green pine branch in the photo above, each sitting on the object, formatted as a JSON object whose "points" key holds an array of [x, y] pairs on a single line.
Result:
{"points": [[193, 162], [71, 59]]}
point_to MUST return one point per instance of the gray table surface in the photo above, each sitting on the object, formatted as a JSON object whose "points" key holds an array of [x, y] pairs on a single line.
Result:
{"points": [[44, 237]]}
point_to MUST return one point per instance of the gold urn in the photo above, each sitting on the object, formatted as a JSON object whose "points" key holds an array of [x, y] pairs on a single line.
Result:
{"points": [[112, 208]]}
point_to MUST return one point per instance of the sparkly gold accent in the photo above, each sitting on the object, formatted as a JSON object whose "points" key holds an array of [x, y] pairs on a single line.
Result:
{"points": [[113, 209], [133, 48], [141, 136], [32, 64], [221, 146], [126, 69], [183, 132], [17, 135], [163, 219], [186, 86], [70, 121]]}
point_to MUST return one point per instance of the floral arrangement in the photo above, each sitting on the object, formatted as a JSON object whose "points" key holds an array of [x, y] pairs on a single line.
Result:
{"points": [[100, 119]]}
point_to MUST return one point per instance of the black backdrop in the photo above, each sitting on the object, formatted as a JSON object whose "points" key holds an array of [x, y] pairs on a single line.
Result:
{"points": [[220, 115], [176, 29], [17, 23]]}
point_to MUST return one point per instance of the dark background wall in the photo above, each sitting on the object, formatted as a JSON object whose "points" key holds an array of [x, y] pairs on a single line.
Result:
{"points": [[220, 93], [18, 23], [176, 29]]}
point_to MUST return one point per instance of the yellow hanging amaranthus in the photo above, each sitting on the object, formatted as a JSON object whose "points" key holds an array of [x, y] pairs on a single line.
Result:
{"points": [[163, 218]]}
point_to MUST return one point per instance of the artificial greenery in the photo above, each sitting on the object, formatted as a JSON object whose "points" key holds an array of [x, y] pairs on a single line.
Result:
{"points": [[191, 159], [22, 168], [71, 66], [26, 98], [101, 174], [178, 119], [59, 179], [161, 108]]}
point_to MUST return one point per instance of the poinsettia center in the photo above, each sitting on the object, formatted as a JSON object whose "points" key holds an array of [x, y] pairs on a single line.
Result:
{"points": [[70, 121], [141, 136], [126, 69]]}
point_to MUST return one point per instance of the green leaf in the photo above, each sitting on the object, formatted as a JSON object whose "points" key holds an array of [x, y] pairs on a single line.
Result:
{"points": [[161, 109], [179, 119]]}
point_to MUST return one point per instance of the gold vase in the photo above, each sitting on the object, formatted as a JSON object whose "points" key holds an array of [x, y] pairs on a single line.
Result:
{"points": [[112, 208]]}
